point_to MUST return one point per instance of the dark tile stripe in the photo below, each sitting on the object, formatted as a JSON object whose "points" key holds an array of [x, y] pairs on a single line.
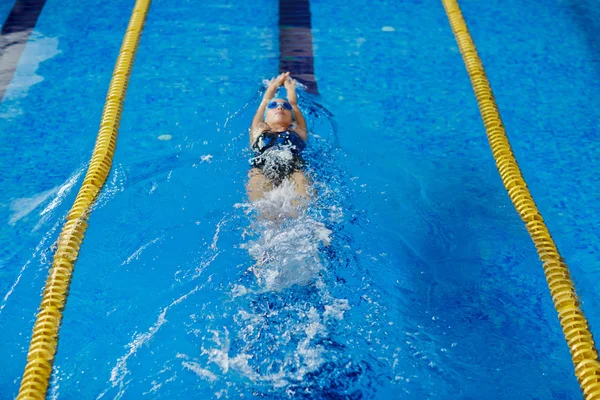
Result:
{"points": [[295, 42], [14, 35]]}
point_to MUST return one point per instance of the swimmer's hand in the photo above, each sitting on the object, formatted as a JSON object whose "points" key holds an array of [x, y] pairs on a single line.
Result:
{"points": [[275, 83], [290, 87]]}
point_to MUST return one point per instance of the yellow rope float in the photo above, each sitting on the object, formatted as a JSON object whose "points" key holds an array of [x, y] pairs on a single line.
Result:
{"points": [[45, 331], [573, 322]]}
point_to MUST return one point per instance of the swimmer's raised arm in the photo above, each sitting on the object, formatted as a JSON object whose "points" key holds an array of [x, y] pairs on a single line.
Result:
{"points": [[269, 94], [290, 87]]}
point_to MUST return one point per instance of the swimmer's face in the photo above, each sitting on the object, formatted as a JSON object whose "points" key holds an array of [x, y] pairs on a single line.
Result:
{"points": [[278, 112]]}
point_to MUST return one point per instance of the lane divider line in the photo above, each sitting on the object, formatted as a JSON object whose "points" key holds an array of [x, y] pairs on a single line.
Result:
{"points": [[44, 341], [572, 320], [296, 42]]}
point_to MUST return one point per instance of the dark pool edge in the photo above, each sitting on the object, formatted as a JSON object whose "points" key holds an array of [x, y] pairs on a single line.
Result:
{"points": [[14, 36]]}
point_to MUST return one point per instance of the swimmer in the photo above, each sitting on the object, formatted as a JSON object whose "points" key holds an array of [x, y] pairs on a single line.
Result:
{"points": [[277, 137]]}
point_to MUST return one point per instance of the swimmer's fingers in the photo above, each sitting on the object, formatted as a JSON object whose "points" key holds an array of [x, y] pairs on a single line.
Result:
{"points": [[290, 82], [281, 78], [275, 83], [271, 83]]}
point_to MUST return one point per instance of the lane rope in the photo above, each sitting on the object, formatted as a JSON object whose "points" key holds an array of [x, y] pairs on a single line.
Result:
{"points": [[44, 341], [572, 320]]}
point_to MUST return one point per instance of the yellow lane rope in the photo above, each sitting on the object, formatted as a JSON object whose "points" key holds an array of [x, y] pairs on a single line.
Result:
{"points": [[573, 322], [45, 331]]}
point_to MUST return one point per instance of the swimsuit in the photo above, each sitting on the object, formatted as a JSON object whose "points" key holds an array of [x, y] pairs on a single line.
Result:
{"points": [[278, 154]]}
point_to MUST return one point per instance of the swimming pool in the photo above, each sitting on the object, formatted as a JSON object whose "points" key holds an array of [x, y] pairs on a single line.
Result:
{"points": [[430, 286]]}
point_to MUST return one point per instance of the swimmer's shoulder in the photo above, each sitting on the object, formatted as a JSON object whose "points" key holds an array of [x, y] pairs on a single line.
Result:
{"points": [[257, 129], [302, 133]]}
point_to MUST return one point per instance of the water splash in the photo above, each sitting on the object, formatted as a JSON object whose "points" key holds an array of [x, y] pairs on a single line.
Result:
{"points": [[287, 243], [23, 206], [136, 254], [285, 318], [277, 163], [120, 371], [44, 251]]}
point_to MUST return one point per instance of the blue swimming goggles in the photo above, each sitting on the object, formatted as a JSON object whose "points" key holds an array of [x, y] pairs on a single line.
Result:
{"points": [[275, 104]]}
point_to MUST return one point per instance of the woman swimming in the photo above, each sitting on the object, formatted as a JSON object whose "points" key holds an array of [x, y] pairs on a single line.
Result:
{"points": [[278, 136]]}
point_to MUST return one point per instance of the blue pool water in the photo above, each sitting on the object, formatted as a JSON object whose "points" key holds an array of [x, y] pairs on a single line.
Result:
{"points": [[430, 287]]}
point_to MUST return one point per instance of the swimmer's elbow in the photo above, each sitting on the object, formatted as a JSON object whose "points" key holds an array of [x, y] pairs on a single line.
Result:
{"points": [[303, 133]]}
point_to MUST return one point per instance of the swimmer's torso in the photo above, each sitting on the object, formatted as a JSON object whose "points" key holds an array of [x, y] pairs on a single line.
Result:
{"points": [[287, 139], [278, 154]]}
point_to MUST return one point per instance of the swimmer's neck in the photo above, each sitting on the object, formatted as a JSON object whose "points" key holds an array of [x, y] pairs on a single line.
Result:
{"points": [[279, 127]]}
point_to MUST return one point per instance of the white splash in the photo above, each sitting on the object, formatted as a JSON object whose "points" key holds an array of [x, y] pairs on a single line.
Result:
{"points": [[337, 309], [288, 254], [286, 250], [279, 346], [136, 254], [201, 372], [44, 253], [220, 356], [120, 372], [62, 193], [25, 205], [116, 184], [295, 354], [221, 223]]}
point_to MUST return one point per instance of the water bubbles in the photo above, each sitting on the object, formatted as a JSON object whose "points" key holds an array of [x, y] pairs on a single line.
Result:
{"points": [[287, 253], [239, 290], [337, 309], [277, 162]]}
